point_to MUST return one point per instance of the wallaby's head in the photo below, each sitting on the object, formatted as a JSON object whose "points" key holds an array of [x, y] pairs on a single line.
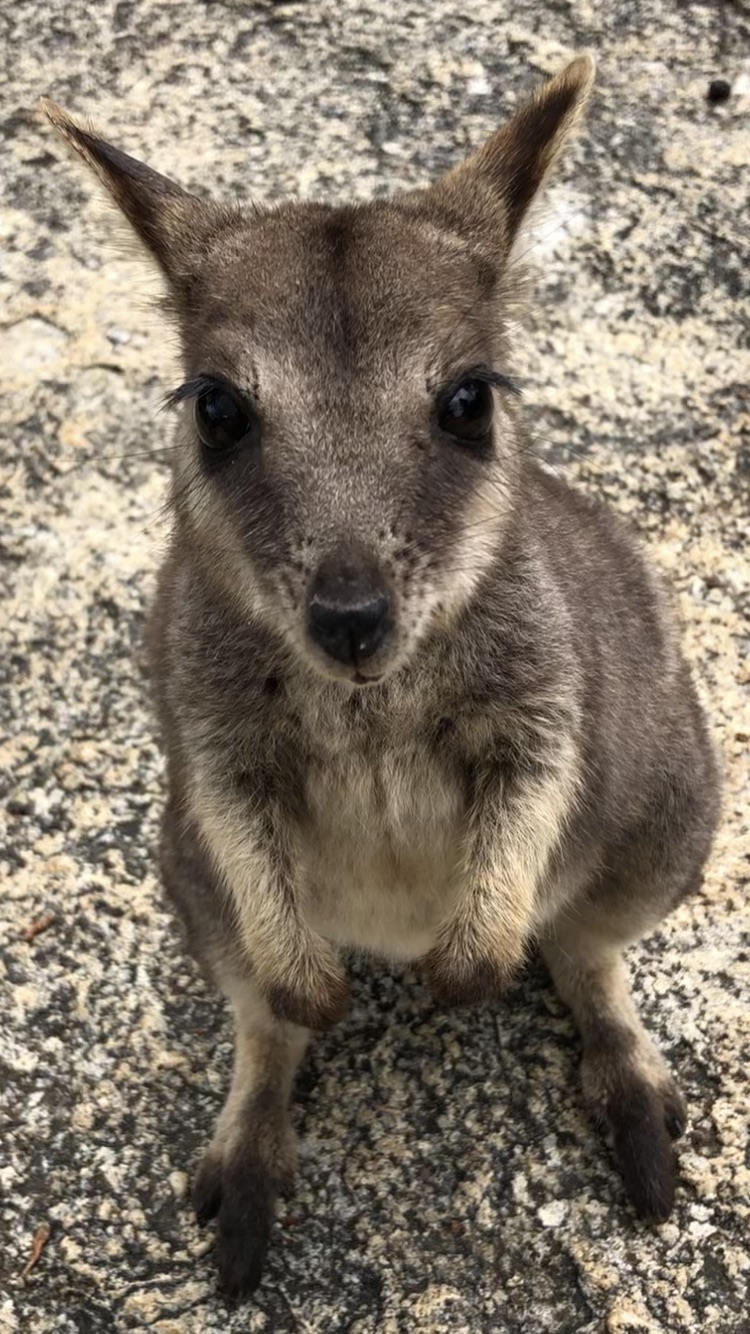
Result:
{"points": [[348, 452]]}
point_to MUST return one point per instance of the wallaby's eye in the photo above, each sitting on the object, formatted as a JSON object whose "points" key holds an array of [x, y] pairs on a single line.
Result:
{"points": [[466, 412], [222, 422]]}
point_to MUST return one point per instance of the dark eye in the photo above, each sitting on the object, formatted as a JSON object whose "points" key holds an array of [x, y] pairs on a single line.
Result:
{"points": [[466, 413], [222, 422]]}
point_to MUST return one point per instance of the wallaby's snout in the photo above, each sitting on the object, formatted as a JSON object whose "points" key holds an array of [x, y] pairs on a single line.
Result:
{"points": [[350, 613]]}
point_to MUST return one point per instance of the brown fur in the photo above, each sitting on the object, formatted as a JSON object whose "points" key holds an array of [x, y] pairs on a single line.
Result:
{"points": [[521, 756]]}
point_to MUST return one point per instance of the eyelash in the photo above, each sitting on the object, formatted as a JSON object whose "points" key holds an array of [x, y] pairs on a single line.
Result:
{"points": [[192, 389], [486, 375], [200, 384]]}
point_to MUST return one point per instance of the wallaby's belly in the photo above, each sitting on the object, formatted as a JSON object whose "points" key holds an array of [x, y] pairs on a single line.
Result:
{"points": [[381, 849]]}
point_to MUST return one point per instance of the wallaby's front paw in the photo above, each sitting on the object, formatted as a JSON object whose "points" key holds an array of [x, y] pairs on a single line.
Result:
{"points": [[241, 1195], [311, 1007], [460, 979]]}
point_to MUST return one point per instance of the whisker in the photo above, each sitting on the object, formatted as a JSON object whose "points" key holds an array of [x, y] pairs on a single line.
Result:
{"points": [[118, 458], [176, 494]]}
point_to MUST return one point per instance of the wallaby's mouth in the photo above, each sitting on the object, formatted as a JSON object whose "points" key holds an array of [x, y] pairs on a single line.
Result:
{"points": [[350, 671], [360, 679], [351, 676]]}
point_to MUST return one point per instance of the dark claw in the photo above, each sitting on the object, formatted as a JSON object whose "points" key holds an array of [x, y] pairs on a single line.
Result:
{"points": [[207, 1189], [676, 1126], [675, 1114]]}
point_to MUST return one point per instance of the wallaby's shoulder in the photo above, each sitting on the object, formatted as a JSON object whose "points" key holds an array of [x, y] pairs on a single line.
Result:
{"points": [[560, 511], [596, 555]]}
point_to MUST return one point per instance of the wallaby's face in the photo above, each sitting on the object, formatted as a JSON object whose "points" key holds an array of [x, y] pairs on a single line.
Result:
{"points": [[344, 447], [347, 455]]}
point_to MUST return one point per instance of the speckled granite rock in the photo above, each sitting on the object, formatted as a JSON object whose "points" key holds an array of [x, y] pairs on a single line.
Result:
{"points": [[449, 1179]]}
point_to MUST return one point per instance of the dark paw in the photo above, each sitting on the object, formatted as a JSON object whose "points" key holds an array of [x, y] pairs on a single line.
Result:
{"points": [[466, 982], [245, 1221], [312, 1009], [241, 1195], [643, 1121]]}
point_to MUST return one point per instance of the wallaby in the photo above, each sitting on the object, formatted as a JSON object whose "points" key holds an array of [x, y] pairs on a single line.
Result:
{"points": [[418, 697]]}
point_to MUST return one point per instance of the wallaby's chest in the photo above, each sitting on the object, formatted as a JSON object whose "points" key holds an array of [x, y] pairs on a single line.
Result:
{"points": [[381, 846]]}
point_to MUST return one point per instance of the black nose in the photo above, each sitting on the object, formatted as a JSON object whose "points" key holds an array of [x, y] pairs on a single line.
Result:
{"points": [[349, 618]]}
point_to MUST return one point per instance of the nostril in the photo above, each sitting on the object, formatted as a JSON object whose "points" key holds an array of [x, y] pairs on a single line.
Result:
{"points": [[349, 632]]}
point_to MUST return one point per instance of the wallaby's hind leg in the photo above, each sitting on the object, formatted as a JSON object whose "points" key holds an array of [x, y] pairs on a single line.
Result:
{"points": [[626, 1081], [253, 1152]]}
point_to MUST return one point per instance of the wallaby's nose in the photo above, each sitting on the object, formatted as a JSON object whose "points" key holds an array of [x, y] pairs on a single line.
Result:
{"points": [[349, 614]]}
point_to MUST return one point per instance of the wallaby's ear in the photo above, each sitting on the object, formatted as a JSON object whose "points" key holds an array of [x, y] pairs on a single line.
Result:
{"points": [[504, 176], [171, 223]]}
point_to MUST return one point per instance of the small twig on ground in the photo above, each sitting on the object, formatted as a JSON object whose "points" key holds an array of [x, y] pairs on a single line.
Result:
{"points": [[38, 926], [41, 1237]]}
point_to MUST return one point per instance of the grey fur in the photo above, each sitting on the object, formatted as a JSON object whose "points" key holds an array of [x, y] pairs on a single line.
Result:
{"points": [[529, 762]]}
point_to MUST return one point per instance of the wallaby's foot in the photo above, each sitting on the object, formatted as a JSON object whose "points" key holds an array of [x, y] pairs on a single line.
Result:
{"points": [[626, 1081], [253, 1154], [240, 1192], [642, 1111]]}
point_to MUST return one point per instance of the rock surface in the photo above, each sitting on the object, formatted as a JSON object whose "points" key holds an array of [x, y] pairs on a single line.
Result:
{"points": [[449, 1179]]}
